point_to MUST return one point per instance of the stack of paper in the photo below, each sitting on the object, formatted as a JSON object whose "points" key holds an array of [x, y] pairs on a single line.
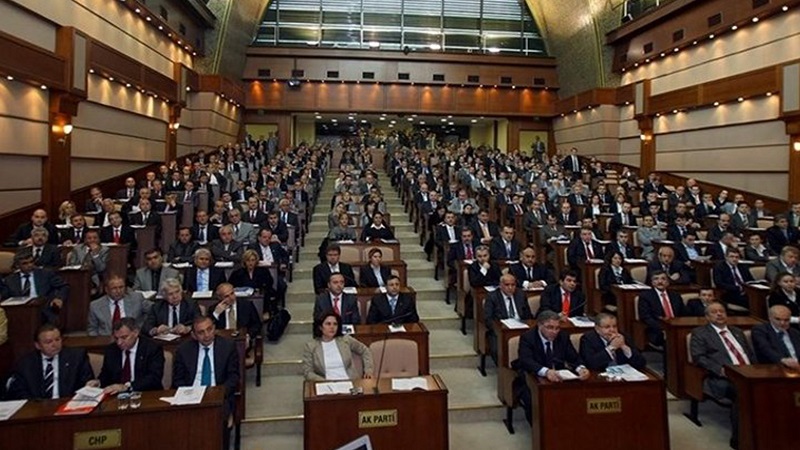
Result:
{"points": [[224, 264], [334, 387], [9, 408], [350, 290], [566, 375], [244, 291], [185, 265], [514, 324], [13, 301], [581, 322], [202, 294], [409, 384], [187, 395], [626, 372], [397, 328], [85, 401], [148, 295], [167, 337]]}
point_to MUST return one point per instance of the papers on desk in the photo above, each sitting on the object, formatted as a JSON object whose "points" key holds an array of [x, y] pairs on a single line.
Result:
{"points": [[73, 267], [567, 375], [409, 384], [187, 395], [348, 329], [490, 288], [452, 242], [9, 408], [334, 387], [624, 372], [758, 285], [633, 286], [511, 261], [389, 241], [596, 261], [468, 261], [399, 328], [202, 294], [581, 322], [85, 401], [703, 242], [514, 324], [382, 289], [224, 265], [148, 295], [138, 227], [346, 241], [244, 291], [167, 337], [350, 290], [14, 301], [635, 261], [183, 265]]}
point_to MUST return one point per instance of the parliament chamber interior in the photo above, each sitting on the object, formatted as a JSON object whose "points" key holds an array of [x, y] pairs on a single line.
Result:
{"points": [[510, 224]]}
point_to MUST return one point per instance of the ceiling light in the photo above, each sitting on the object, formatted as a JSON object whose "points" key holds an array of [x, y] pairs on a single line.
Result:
{"points": [[422, 122], [740, 99], [363, 120], [716, 103], [674, 111], [9, 78], [127, 85], [160, 27], [785, 8], [444, 120], [755, 19], [44, 88], [410, 119], [188, 88], [110, 78], [450, 123], [435, 47], [734, 28], [91, 70], [711, 36], [676, 50], [647, 61], [374, 44], [391, 126], [138, 10], [769, 94], [663, 54], [148, 19]]}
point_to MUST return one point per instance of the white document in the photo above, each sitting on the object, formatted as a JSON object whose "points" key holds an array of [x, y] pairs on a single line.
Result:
{"points": [[382, 289], [515, 324], [566, 375], [397, 328], [14, 301], [347, 241], [633, 287], [184, 265], [635, 261], [244, 292], [89, 393], [490, 288], [148, 295], [202, 294], [166, 337], [409, 384], [187, 395], [224, 264], [334, 387], [350, 290], [581, 322], [74, 267], [626, 372], [348, 329], [9, 408]]}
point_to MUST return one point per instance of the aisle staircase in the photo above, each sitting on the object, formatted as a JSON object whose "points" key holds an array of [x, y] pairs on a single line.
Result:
{"points": [[275, 410]]}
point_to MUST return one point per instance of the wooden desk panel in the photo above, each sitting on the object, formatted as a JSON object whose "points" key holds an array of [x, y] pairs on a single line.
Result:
{"points": [[591, 288], [422, 420], [676, 355], [117, 263], [564, 421], [23, 320], [416, 332], [77, 306], [757, 300], [151, 426]]}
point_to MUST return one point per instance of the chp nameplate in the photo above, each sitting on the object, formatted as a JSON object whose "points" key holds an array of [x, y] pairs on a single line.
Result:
{"points": [[603, 405], [378, 418], [90, 440]]}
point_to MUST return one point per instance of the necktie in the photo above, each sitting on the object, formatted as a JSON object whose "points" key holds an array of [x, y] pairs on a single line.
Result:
{"points": [[49, 378], [205, 376], [232, 318], [787, 343], [739, 359], [126, 367], [512, 313], [37, 254], [578, 199], [565, 304], [336, 305], [144, 218], [624, 219], [202, 234], [116, 236], [236, 229], [508, 250], [530, 274], [666, 305], [202, 281], [117, 312], [393, 303], [252, 216], [548, 353], [285, 218], [78, 235], [486, 233], [154, 277], [566, 218], [468, 252], [519, 210], [26, 285], [736, 277], [175, 316], [589, 253], [186, 197]]}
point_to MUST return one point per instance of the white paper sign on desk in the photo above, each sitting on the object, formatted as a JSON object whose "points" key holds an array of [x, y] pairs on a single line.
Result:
{"points": [[397, 328], [166, 337], [514, 324], [187, 395], [14, 301], [409, 384], [350, 290], [9, 408], [566, 375], [202, 294], [334, 387], [581, 322]]}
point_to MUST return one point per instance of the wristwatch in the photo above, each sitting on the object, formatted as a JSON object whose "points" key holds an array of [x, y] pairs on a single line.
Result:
{"points": [[127, 385]]}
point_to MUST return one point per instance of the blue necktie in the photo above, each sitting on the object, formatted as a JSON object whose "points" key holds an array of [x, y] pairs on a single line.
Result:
{"points": [[202, 282], [393, 303], [205, 377]]}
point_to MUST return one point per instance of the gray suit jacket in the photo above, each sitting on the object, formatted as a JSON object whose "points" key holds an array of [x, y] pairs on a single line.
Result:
{"points": [[80, 255], [100, 317], [774, 267], [144, 280], [314, 359], [246, 235], [709, 352]]}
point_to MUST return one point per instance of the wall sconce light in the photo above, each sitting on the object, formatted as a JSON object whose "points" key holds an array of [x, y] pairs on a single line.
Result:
{"points": [[173, 127], [644, 137], [64, 130], [796, 146]]}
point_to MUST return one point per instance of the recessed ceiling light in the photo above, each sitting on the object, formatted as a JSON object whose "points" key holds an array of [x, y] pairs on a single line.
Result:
{"points": [[734, 28], [785, 8], [740, 99], [769, 94], [9, 78], [716, 103], [44, 88], [435, 47], [755, 19], [711, 36]]}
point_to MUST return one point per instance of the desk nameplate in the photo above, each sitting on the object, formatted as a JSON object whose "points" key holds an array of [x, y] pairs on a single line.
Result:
{"points": [[603, 405], [91, 440], [378, 418]]}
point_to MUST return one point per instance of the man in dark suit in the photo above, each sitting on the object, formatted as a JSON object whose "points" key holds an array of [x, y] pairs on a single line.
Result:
{"points": [[35, 375], [203, 277], [216, 352], [528, 273], [484, 230], [146, 216], [322, 272], [278, 228], [29, 281], [131, 349], [777, 342], [95, 202], [393, 306], [543, 351], [182, 250], [715, 345], [74, 234], [723, 225], [571, 163], [254, 215], [232, 313], [621, 245], [566, 215], [781, 234], [44, 254], [731, 278], [508, 302], [606, 346], [622, 219], [563, 298], [202, 231], [658, 303], [117, 232], [150, 277], [346, 305], [174, 314], [285, 215], [505, 247], [22, 236], [583, 248], [676, 271], [226, 249]]}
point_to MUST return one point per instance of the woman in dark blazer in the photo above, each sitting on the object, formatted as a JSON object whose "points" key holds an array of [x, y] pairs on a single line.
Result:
{"points": [[612, 273], [366, 274], [250, 275], [377, 230], [785, 292]]}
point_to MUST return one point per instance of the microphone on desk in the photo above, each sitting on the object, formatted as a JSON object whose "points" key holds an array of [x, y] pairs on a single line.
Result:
{"points": [[394, 320]]}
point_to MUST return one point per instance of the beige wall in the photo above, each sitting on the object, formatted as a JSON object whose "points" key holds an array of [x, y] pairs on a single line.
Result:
{"points": [[258, 130], [212, 120], [594, 132], [304, 131], [502, 134], [482, 134]]}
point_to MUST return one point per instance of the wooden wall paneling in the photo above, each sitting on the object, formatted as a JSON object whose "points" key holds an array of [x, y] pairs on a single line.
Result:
{"points": [[677, 99], [471, 100], [161, 85], [334, 97], [301, 99], [757, 82], [71, 46], [437, 99], [423, 72], [26, 61], [108, 61], [402, 98], [365, 97], [502, 101], [625, 94]]}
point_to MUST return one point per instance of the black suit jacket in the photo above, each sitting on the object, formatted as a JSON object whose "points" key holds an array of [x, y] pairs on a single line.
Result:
{"points": [[261, 279], [148, 369], [226, 368], [769, 348], [776, 240], [614, 246], [779, 298], [126, 235], [259, 220], [576, 252], [70, 234], [675, 267], [477, 231], [497, 250], [551, 301], [48, 285], [615, 224], [494, 308], [607, 278], [532, 357], [159, 314], [50, 257], [246, 317], [723, 279], [215, 278], [279, 254], [380, 311], [539, 272], [366, 276], [594, 355], [27, 380], [23, 232], [348, 307], [212, 232], [322, 273], [651, 311], [477, 278]]}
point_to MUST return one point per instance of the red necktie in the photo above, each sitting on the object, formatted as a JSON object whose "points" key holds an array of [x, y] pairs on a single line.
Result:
{"points": [[589, 254], [666, 305], [117, 313], [740, 359], [565, 303], [116, 236], [336, 306], [126, 367], [468, 252]]}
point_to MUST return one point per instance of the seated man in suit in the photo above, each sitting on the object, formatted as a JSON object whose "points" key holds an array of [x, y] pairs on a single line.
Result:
{"points": [[756, 250], [781, 234], [285, 214], [697, 306], [658, 303], [583, 248], [563, 298], [51, 371], [278, 228], [786, 262], [606, 346], [717, 250], [174, 314], [508, 302], [117, 232], [622, 219], [777, 342], [146, 216], [203, 276], [715, 345], [528, 273], [226, 249], [116, 304], [393, 306], [254, 215], [676, 271], [209, 360], [621, 245], [543, 351], [182, 250], [75, 233], [203, 231], [345, 305], [44, 254], [505, 247], [484, 229], [29, 281], [150, 277], [483, 272], [730, 277], [374, 274], [22, 236], [233, 313], [322, 272], [242, 231], [132, 362]]}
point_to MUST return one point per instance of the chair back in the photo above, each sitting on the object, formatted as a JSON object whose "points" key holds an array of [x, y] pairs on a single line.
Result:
{"points": [[759, 272], [166, 380], [400, 358], [534, 302], [513, 350], [96, 361], [639, 273], [6, 263]]}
